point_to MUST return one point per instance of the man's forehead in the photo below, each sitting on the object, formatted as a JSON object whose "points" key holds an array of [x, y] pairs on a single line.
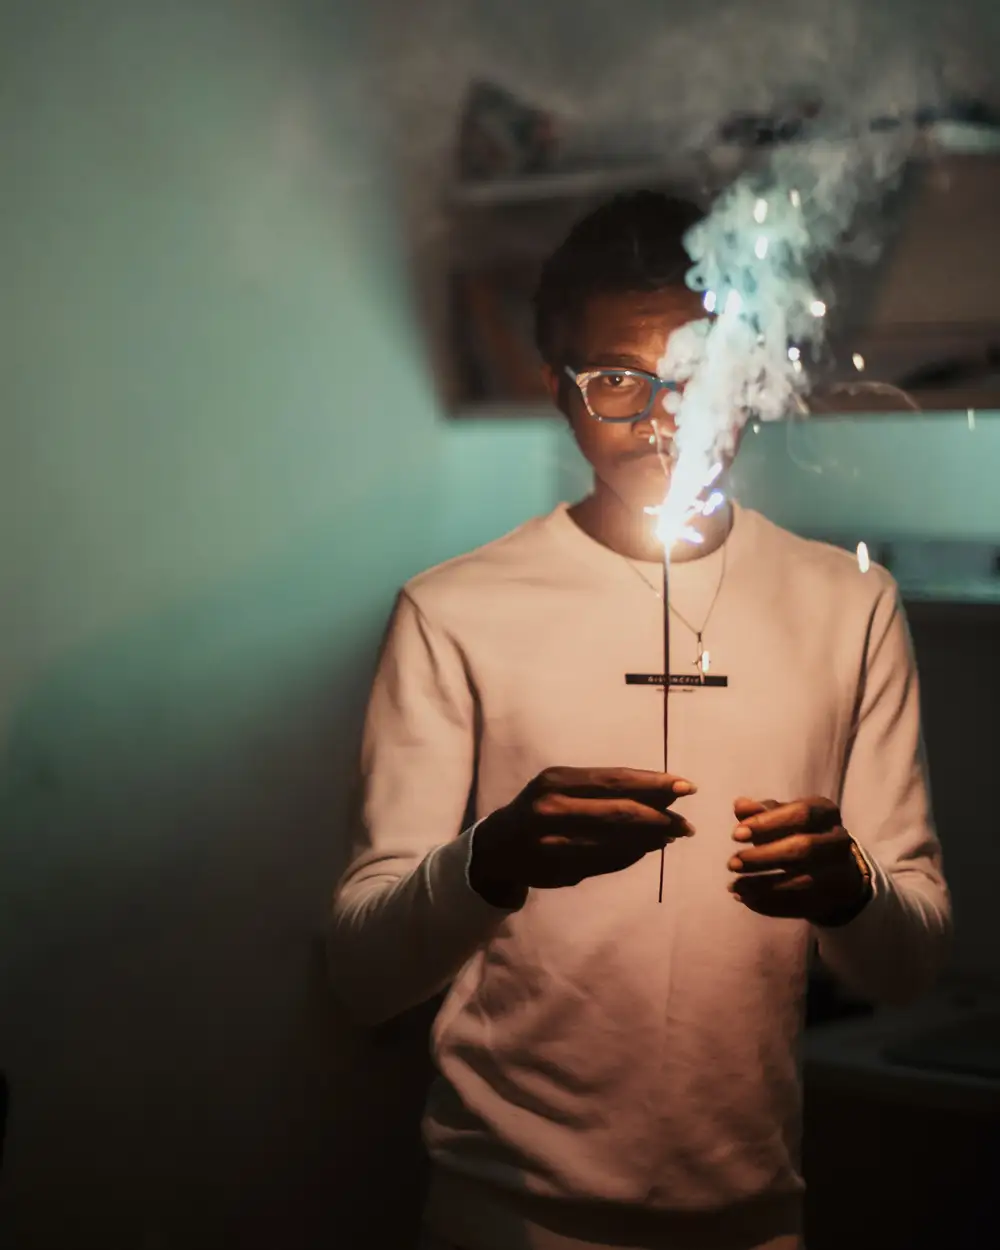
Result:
{"points": [[639, 315]]}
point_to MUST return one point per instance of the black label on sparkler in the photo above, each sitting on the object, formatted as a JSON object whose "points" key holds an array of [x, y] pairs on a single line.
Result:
{"points": [[676, 679]]}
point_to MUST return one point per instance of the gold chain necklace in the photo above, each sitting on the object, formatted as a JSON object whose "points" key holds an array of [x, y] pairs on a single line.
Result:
{"points": [[703, 662]]}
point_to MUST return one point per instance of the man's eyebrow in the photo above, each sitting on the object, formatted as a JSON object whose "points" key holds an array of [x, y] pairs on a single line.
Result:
{"points": [[609, 360]]}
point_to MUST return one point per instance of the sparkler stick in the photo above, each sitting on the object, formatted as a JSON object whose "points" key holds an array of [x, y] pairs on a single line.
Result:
{"points": [[666, 686]]}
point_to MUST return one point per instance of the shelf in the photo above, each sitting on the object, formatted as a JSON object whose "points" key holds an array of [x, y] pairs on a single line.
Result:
{"points": [[536, 188]]}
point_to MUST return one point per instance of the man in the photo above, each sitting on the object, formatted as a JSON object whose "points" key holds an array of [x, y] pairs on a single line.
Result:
{"points": [[615, 1071]]}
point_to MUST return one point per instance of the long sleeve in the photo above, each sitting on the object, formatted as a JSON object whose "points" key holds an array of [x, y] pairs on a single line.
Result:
{"points": [[894, 949], [404, 918]]}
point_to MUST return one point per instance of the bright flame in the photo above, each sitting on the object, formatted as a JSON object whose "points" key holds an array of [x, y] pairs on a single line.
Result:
{"points": [[760, 248], [859, 362], [864, 559]]}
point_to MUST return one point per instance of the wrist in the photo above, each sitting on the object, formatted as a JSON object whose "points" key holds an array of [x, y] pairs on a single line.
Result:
{"points": [[852, 908], [486, 881]]}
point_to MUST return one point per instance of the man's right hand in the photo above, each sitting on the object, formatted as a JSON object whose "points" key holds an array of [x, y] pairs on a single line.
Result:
{"points": [[573, 823]]}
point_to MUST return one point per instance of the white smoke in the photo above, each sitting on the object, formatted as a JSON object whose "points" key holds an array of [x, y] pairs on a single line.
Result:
{"points": [[758, 257]]}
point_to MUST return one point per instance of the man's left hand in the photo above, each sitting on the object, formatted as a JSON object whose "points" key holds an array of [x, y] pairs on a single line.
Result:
{"points": [[797, 860]]}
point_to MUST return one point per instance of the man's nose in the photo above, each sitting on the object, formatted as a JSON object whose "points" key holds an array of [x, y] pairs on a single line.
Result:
{"points": [[657, 423]]}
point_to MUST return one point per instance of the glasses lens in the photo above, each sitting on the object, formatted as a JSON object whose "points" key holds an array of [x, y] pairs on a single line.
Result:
{"points": [[618, 396]]}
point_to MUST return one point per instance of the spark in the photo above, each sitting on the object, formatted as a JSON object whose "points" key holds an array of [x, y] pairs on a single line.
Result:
{"points": [[859, 362], [795, 198], [710, 301], [864, 559], [713, 503], [760, 248], [794, 353], [818, 308], [760, 212]]}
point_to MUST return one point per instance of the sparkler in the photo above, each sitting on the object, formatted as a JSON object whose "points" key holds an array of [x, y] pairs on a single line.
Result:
{"points": [[754, 257]]}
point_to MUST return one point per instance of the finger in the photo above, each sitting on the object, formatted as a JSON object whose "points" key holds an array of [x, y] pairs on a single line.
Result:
{"points": [[744, 807], [572, 864], [608, 816], [813, 849], [635, 783], [816, 815], [760, 889], [788, 903], [569, 837]]}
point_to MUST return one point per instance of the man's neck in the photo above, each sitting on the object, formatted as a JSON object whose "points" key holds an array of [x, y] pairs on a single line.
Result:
{"points": [[606, 519]]}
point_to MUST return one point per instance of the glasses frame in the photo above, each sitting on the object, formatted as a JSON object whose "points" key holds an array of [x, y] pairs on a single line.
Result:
{"points": [[657, 386]]}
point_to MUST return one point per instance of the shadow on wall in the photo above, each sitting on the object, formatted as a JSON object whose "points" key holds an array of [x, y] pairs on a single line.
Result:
{"points": [[174, 810]]}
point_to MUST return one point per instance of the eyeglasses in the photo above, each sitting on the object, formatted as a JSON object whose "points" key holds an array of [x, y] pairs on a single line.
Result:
{"points": [[620, 395]]}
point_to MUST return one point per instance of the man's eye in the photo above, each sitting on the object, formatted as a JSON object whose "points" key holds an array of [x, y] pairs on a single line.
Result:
{"points": [[618, 381]]}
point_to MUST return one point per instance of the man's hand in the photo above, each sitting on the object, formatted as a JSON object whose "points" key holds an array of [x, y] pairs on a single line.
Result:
{"points": [[797, 860], [572, 823]]}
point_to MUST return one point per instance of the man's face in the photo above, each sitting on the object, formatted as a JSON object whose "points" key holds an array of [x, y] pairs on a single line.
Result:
{"points": [[625, 330]]}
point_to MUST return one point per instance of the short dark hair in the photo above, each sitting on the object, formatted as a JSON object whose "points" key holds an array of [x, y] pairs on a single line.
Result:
{"points": [[632, 243]]}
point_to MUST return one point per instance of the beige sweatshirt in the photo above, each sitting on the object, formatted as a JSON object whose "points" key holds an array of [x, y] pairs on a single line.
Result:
{"points": [[614, 1071]]}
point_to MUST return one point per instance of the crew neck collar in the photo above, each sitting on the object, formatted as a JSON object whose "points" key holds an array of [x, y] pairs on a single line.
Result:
{"points": [[598, 555]]}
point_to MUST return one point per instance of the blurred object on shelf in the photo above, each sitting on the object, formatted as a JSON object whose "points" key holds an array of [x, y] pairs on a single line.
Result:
{"points": [[501, 137]]}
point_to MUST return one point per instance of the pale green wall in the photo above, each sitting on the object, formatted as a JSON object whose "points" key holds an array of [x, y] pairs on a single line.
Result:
{"points": [[920, 477], [220, 454]]}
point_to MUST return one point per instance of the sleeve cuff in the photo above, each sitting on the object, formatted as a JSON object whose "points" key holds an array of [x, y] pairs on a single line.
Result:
{"points": [[448, 879]]}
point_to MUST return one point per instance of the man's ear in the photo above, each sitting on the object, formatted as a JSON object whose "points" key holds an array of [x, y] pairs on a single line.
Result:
{"points": [[554, 385]]}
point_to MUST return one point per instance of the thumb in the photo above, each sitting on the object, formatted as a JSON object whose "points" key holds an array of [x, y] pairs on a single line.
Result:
{"points": [[743, 807]]}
